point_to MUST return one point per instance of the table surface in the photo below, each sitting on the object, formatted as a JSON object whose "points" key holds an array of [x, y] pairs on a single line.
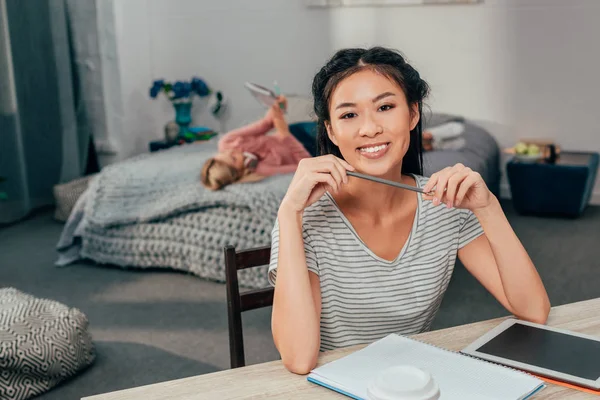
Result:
{"points": [[272, 381]]}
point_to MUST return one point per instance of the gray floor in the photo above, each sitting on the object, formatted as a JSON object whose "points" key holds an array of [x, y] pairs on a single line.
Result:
{"points": [[155, 326]]}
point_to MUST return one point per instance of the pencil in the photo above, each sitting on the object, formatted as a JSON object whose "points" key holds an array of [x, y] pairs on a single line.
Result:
{"points": [[386, 182]]}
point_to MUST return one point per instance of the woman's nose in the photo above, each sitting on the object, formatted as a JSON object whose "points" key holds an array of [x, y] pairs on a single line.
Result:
{"points": [[370, 126]]}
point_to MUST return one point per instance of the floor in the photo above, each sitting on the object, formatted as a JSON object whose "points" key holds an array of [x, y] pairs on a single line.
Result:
{"points": [[155, 326]]}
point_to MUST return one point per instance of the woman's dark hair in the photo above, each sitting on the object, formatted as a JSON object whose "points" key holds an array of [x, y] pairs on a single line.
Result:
{"points": [[389, 63]]}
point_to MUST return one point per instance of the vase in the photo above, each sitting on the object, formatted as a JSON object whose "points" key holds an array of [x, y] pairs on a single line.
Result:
{"points": [[183, 115]]}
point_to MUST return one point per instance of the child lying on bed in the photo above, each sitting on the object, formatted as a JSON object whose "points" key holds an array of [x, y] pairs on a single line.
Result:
{"points": [[248, 154]]}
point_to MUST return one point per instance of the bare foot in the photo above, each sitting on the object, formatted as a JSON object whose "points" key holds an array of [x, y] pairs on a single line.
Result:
{"points": [[427, 141]]}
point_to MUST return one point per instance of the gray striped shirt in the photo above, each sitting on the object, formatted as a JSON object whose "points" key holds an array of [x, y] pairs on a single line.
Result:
{"points": [[365, 297]]}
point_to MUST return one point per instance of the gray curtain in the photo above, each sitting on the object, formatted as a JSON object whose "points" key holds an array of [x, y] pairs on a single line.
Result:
{"points": [[44, 137]]}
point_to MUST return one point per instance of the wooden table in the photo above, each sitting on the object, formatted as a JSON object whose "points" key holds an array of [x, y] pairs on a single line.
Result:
{"points": [[272, 381]]}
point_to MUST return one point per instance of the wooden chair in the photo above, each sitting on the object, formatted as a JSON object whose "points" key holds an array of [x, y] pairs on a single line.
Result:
{"points": [[248, 300]]}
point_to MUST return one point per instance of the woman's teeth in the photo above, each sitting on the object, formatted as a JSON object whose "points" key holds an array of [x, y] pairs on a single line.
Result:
{"points": [[372, 149]]}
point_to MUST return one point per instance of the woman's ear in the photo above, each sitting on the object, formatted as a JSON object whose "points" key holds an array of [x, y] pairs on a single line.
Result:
{"points": [[330, 132], [415, 115]]}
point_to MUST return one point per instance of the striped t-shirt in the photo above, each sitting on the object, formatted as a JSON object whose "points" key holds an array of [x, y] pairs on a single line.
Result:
{"points": [[365, 297]]}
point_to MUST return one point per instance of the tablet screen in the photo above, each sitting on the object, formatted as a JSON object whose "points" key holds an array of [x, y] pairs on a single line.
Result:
{"points": [[547, 349]]}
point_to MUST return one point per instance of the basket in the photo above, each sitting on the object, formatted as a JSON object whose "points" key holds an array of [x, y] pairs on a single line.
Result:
{"points": [[67, 194]]}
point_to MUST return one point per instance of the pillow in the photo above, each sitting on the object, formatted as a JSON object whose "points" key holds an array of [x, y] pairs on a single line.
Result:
{"points": [[306, 133]]}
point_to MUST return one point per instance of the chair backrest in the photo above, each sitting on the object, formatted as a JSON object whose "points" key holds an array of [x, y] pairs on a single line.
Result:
{"points": [[248, 300]]}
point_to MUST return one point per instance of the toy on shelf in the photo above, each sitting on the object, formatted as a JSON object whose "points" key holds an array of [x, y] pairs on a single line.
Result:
{"points": [[196, 133]]}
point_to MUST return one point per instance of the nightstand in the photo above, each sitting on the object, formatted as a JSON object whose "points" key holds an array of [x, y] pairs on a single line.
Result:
{"points": [[560, 188]]}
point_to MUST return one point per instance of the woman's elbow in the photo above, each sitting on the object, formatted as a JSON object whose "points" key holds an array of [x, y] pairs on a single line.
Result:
{"points": [[539, 314], [300, 365]]}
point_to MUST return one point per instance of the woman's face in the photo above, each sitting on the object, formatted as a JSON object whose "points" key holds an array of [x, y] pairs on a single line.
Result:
{"points": [[371, 122], [233, 158]]}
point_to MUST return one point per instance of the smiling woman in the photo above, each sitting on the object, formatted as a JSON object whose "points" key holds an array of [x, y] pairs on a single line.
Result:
{"points": [[353, 260]]}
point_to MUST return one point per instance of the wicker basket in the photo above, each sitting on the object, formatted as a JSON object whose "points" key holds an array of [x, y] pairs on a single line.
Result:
{"points": [[67, 194]]}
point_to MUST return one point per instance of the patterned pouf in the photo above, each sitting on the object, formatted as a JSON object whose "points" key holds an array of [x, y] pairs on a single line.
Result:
{"points": [[42, 342]]}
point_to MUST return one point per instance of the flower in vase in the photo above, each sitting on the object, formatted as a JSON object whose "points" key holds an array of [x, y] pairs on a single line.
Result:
{"points": [[180, 90], [200, 87], [157, 86]]}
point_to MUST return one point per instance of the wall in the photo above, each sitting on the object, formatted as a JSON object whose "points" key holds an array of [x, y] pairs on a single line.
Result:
{"points": [[521, 68], [226, 42]]}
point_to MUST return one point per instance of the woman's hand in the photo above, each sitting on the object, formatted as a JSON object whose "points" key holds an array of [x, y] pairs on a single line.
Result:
{"points": [[275, 112], [312, 179], [459, 187]]}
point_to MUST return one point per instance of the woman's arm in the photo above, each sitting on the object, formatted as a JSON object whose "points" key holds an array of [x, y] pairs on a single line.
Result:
{"points": [[268, 170], [497, 258], [297, 303], [257, 128], [296, 314], [500, 262]]}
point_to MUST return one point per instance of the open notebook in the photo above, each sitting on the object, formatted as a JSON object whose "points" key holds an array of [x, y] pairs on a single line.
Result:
{"points": [[459, 377]]}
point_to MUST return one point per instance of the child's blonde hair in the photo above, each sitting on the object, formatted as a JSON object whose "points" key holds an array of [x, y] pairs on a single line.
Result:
{"points": [[216, 175]]}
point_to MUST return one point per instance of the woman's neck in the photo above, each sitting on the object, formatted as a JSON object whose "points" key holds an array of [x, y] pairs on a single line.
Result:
{"points": [[374, 200]]}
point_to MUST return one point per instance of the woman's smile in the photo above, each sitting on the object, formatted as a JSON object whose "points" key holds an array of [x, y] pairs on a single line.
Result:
{"points": [[374, 151]]}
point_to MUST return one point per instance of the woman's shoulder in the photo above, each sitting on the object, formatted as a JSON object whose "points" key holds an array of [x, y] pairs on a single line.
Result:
{"points": [[321, 210], [420, 180], [319, 215]]}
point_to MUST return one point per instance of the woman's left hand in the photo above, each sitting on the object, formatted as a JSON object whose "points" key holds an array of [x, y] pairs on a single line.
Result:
{"points": [[276, 111], [458, 187]]}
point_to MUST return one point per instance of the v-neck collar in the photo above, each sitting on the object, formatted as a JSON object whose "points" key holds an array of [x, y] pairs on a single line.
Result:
{"points": [[364, 245]]}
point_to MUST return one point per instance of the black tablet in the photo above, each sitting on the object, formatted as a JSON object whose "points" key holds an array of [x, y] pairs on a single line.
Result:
{"points": [[542, 350]]}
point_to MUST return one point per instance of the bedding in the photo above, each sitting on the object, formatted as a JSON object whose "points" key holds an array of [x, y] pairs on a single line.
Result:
{"points": [[152, 211]]}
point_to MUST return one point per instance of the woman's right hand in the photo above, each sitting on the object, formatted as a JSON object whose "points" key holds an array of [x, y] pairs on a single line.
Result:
{"points": [[313, 177]]}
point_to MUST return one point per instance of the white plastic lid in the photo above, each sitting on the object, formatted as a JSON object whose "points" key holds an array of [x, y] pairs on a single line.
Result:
{"points": [[403, 382]]}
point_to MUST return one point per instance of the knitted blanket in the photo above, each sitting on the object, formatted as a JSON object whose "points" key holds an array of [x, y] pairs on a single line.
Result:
{"points": [[152, 212], [153, 187]]}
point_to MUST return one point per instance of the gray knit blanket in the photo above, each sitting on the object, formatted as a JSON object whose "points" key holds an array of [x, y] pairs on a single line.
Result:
{"points": [[152, 212]]}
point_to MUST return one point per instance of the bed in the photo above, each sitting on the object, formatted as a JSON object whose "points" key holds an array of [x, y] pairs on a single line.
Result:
{"points": [[152, 212]]}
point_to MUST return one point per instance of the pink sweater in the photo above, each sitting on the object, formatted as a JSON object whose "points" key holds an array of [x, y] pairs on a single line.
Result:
{"points": [[276, 155]]}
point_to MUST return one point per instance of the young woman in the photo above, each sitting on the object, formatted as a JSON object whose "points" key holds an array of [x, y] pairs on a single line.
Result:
{"points": [[247, 154], [353, 260]]}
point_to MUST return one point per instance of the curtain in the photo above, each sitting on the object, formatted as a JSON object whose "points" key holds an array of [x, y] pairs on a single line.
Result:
{"points": [[44, 139]]}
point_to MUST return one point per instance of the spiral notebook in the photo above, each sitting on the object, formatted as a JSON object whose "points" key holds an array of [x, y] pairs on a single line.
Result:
{"points": [[459, 377]]}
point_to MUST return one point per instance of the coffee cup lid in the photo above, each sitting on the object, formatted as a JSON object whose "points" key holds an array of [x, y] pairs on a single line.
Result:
{"points": [[403, 382]]}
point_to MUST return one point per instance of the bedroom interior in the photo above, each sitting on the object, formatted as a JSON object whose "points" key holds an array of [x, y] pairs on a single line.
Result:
{"points": [[102, 211]]}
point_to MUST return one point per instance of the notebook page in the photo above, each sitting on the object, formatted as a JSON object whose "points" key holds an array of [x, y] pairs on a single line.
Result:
{"points": [[459, 377]]}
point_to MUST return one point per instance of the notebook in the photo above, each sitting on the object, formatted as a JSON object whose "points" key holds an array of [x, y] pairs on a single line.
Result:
{"points": [[459, 377], [265, 96]]}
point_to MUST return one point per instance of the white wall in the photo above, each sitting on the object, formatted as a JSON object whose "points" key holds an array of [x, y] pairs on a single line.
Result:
{"points": [[226, 42], [523, 68]]}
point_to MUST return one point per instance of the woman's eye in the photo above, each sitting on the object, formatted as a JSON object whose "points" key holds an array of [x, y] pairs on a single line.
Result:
{"points": [[386, 107], [348, 115]]}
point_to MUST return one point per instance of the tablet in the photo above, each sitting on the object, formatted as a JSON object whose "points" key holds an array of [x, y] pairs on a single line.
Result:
{"points": [[265, 96], [542, 350]]}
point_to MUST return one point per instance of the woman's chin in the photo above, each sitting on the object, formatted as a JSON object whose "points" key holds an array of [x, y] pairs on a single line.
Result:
{"points": [[380, 168]]}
